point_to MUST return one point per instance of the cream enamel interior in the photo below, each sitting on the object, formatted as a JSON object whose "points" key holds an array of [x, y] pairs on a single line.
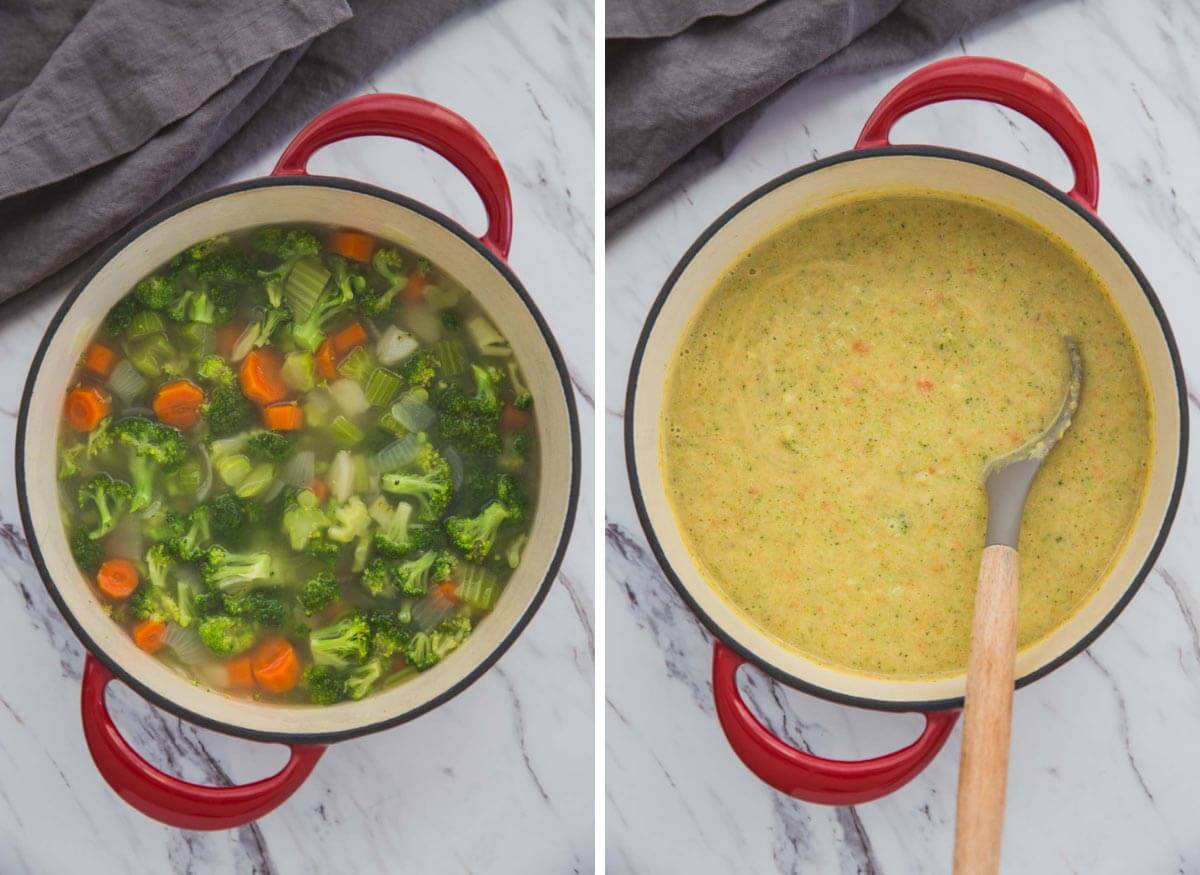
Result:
{"points": [[812, 191], [335, 206]]}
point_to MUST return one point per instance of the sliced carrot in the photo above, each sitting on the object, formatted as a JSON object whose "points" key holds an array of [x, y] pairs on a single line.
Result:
{"points": [[319, 488], [227, 337], [86, 407], [117, 578], [261, 377], [178, 403], [284, 416], [415, 290], [348, 338], [447, 590], [150, 635], [99, 359], [241, 676], [326, 363], [275, 665], [353, 245], [512, 419]]}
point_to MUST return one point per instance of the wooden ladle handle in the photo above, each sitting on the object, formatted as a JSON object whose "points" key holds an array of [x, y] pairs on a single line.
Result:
{"points": [[987, 717]]}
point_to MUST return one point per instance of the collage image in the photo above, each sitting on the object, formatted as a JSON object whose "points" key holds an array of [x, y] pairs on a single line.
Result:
{"points": [[648, 437]]}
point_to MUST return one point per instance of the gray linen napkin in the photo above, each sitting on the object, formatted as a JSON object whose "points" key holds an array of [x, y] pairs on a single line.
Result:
{"points": [[113, 108], [686, 78]]}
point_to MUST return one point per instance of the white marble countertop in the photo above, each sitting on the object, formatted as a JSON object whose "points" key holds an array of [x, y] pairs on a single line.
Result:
{"points": [[1105, 765], [500, 778]]}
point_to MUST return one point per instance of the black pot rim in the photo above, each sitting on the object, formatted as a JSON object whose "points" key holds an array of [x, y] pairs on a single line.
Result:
{"points": [[301, 738], [864, 154]]}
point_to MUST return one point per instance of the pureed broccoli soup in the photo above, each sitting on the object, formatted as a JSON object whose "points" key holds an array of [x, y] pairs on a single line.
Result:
{"points": [[296, 463]]}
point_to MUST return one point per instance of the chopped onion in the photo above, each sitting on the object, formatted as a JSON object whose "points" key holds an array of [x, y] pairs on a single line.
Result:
{"points": [[395, 346], [423, 322], [186, 645], [412, 412], [349, 397], [273, 490], [341, 476], [396, 455], [245, 342], [125, 381], [431, 610], [125, 539], [454, 460], [300, 469], [206, 474]]}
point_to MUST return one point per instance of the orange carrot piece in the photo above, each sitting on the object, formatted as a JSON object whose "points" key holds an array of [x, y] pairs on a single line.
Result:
{"points": [[348, 338], [99, 359], [86, 406], [261, 377], [117, 578], [326, 363], [275, 665], [178, 403], [447, 590], [150, 635], [319, 488], [353, 245], [284, 416], [227, 337], [241, 676], [512, 419], [415, 290]]}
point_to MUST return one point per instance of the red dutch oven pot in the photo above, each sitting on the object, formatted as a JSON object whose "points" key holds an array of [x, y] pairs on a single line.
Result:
{"points": [[291, 195], [876, 164]]}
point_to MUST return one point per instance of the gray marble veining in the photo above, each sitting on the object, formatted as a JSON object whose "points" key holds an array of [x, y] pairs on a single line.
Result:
{"points": [[1104, 767]]}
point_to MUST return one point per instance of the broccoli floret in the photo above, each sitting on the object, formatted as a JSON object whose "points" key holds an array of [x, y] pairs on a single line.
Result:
{"points": [[197, 532], [388, 635], [154, 603], [269, 446], [377, 577], [514, 452], [227, 515], [319, 592], [199, 251], [398, 537], [156, 292], [262, 329], [214, 306], [320, 547], [214, 370], [158, 562], [234, 572], [263, 607], [85, 551], [288, 245], [325, 684], [387, 263], [471, 422], [226, 636], [342, 645], [153, 447], [226, 411], [418, 652], [361, 679], [508, 493], [68, 461], [303, 519], [522, 397], [414, 575], [309, 331], [207, 602], [430, 483], [450, 633], [419, 369], [474, 536], [100, 438], [451, 321], [109, 497], [121, 315]]}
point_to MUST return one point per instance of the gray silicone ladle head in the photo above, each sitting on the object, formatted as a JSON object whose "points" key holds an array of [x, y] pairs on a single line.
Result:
{"points": [[1007, 479]]}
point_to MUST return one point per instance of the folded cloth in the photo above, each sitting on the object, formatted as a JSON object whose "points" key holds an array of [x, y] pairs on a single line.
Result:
{"points": [[686, 78], [110, 109]]}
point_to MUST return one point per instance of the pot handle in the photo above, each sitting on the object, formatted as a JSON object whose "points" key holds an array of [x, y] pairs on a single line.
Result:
{"points": [[423, 122], [995, 81], [808, 777], [171, 800]]}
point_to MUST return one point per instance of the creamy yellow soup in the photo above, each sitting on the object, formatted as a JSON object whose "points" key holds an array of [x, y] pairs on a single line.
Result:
{"points": [[832, 405]]}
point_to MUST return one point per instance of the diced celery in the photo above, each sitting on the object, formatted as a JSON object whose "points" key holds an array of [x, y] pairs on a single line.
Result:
{"points": [[381, 387], [344, 432], [392, 425], [256, 481], [304, 285], [362, 476], [487, 339], [357, 364], [200, 336], [451, 356], [144, 322], [477, 587], [233, 469]]}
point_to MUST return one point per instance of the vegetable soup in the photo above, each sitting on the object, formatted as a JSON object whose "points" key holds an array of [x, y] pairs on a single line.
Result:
{"points": [[294, 463], [832, 405]]}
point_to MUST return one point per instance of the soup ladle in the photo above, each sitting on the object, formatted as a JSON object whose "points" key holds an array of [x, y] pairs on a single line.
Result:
{"points": [[987, 714]]}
